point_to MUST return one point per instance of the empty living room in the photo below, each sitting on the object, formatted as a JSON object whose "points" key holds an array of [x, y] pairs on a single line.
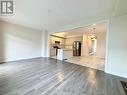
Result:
{"points": [[63, 47]]}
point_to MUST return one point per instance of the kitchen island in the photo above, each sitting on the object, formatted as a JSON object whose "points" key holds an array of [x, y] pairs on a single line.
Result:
{"points": [[64, 54]]}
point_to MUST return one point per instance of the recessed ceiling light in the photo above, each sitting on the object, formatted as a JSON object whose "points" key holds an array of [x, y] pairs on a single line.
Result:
{"points": [[94, 24]]}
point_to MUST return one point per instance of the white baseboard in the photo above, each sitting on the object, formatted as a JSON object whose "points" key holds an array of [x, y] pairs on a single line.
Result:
{"points": [[115, 74], [19, 59]]}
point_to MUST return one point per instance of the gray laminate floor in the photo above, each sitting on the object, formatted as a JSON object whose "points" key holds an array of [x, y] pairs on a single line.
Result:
{"points": [[50, 77]]}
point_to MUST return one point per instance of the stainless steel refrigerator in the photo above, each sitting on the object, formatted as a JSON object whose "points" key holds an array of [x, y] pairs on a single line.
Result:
{"points": [[77, 48]]}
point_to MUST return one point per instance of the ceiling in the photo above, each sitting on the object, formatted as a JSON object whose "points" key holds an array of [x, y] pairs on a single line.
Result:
{"points": [[54, 14], [99, 28]]}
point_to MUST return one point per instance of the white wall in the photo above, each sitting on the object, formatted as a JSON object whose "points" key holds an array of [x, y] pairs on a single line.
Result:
{"points": [[117, 47], [17, 42], [101, 44], [44, 45]]}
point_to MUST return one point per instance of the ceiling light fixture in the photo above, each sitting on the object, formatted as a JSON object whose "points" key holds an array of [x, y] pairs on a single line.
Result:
{"points": [[94, 24], [93, 31]]}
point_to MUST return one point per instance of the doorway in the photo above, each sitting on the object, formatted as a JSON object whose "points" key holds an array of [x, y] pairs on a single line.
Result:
{"points": [[93, 45]]}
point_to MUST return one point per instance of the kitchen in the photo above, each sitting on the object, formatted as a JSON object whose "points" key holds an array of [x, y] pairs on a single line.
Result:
{"points": [[83, 46], [65, 44]]}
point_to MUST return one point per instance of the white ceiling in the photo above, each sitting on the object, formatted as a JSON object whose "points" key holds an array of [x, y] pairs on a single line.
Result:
{"points": [[100, 27], [53, 14]]}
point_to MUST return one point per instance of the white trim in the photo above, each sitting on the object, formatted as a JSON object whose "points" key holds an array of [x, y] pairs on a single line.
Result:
{"points": [[20, 59], [74, 36], [116, 74], [107, 45]]}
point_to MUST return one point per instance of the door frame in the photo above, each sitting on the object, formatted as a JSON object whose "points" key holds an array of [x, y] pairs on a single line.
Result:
{"points": [[107, 36]]}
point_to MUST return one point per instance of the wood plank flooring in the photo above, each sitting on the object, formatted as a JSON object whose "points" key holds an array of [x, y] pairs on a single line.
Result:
{"points": [[51, 77]]}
